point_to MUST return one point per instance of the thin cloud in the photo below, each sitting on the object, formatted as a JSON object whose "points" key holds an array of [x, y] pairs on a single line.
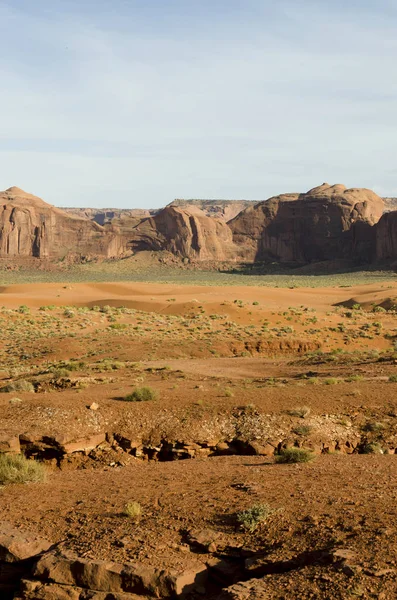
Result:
{"points": [[195, 99]]}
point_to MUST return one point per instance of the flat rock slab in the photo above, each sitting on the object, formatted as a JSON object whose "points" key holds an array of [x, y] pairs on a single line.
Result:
{"points": [[103, 576], [36, 590], [16, 546]]}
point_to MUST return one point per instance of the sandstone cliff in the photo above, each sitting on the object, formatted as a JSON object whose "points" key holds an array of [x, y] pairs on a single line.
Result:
{"points": [[386, 237], [187, 232], [326, 223], [31, 227]]}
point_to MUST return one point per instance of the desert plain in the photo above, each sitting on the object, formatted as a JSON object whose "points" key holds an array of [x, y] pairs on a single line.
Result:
{"points": [[235, 376]]}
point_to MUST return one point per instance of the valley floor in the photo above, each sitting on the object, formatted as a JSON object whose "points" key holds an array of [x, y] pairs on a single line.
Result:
{"points": [[238, 374]]}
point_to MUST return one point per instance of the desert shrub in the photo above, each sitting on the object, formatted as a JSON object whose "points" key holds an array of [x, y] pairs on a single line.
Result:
{"points": [[250, 518], [373, 426], [142, 394], [353, 378], [105, 309], [22, 385], [393, 378], [58, 373], [229, 392], [372, 448], [133, 510], [331, 381], [23, 309], [68, 365], [295, 455], [302, 430], [301, 411], [15, 468]]}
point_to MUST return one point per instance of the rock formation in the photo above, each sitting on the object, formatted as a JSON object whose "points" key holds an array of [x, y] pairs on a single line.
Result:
{"points": [[326, 223], [111, 216], [386, 237], [222, 209], [29, 227], [186, 232]]}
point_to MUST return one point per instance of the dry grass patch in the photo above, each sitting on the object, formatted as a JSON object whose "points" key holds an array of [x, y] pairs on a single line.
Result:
{"points": [[15, 468]]}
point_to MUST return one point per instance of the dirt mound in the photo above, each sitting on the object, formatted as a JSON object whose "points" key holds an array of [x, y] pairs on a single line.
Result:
{"points": [[29, 227], [326, 223]]}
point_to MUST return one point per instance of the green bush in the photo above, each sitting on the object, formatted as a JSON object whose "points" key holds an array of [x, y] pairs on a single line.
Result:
{"points": [[295, 455], [373, 426], [250, 518], [15, 468], [372, 448], [142, 394]]}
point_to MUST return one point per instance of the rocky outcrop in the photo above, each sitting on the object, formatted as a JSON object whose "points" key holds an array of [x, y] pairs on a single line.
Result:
{"points": [[29, 227], [386, 237], [186, 232], [326, 223], [31, 570]]}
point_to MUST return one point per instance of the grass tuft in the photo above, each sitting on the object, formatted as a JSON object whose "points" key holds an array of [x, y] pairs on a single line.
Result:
{"points": [[15, 468], [295, 455], [142, 394]]}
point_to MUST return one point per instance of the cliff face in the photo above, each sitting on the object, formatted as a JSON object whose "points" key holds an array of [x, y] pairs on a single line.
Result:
{"points": [[187, 232], [31, 227], [386, 237], [326, 223]]}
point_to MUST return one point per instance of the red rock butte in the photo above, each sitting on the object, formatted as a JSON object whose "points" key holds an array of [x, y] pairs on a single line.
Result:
{"points": [[329, 222]]}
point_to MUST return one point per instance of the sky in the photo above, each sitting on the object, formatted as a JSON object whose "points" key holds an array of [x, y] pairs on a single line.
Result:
{"points": [[132, 103]]}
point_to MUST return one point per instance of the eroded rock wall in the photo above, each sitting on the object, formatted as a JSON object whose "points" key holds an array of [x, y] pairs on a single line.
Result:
{"points": [[317, 226], [30, 227]]}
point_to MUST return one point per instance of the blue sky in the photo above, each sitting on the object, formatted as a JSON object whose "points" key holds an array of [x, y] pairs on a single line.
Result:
{"points": [[132, 103]]}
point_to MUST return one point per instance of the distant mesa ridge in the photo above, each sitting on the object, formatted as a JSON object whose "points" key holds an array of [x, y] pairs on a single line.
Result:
{"points": [[329, 222]]}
